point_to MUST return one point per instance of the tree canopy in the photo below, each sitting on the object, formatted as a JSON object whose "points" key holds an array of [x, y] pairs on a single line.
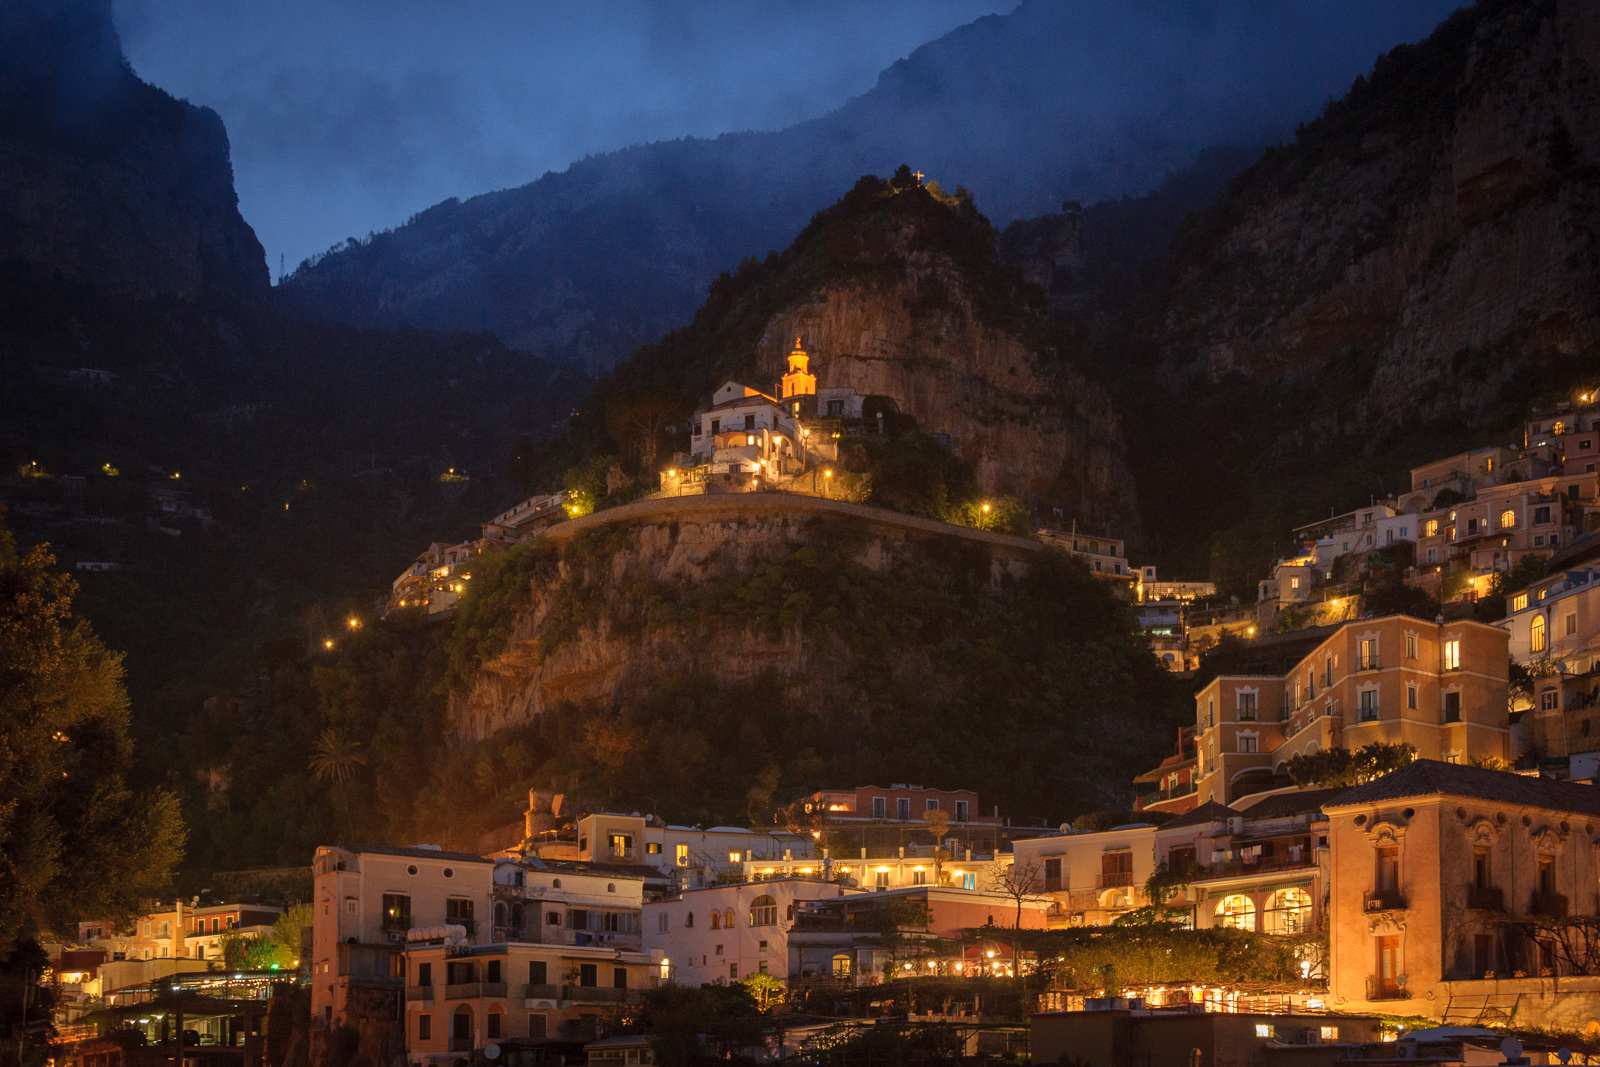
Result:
{"points": [[1341, 767], [75, 840]]}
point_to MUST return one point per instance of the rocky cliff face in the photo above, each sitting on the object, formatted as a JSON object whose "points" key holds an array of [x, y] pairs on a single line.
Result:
{"points": [[735, 642], [106, 181], [1435, 231], [1031, 431]]}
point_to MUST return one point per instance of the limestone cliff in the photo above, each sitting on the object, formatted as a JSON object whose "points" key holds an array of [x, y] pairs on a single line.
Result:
{"points": [[105, 181], [1430, 235], [897, 291], [1041, 435], [807, 639]]}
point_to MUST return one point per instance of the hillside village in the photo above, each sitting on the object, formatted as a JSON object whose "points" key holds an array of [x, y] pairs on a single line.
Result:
{"points": [[1441, 635]]}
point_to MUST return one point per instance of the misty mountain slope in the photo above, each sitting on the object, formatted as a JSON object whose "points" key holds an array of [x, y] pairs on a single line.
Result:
{"points": [[105, 180], [1421, 264], [1054, 101]]}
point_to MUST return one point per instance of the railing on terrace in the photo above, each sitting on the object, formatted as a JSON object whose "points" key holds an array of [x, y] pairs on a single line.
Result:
{"points": [[542, 991], [1115, 879], [1384, 900], [1233, 867], [494, 989], [1384, 989], [463, 991], [419, 992], [1486, 898], [1553, 905]]}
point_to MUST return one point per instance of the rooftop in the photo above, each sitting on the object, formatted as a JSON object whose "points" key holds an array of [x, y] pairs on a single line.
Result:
{"points": [[1210, 811], [1427, 777], [416, 852], [1283, 805]]}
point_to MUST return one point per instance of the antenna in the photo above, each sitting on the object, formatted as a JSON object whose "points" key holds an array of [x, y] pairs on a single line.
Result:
{"points": [[280, 266]]}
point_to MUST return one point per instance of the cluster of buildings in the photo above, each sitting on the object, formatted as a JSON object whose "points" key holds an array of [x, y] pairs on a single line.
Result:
{"points": [[448, 952]]}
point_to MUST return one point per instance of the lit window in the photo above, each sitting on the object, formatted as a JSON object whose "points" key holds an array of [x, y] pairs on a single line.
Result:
{"points": [[1452, 654], [1536, 635], [733, 857], [1508, 519], [682, 855], [1433, 527], [1294, 583], [1519, 602], [1264, 1030], [1330, 1033]]}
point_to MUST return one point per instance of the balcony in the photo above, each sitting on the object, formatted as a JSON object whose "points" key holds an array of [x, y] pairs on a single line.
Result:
{"points": [[464, 991], [1486, 898], [420, 992], [495, 989], [1369, 664], [1384, 900], [1552, 905], [1236, 867], [600, 995], [1384, 989], [1115, 879], [541, 991], [396, 924]]}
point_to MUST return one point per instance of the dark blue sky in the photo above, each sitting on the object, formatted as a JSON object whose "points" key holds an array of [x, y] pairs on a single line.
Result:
{"points": [[349, 115]]}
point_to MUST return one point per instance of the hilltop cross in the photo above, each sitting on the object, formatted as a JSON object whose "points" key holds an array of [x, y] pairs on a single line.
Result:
{"points": [[917, 175]]}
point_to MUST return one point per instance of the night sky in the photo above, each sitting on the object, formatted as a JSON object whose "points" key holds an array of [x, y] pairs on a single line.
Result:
{"points": [[347, 116]]}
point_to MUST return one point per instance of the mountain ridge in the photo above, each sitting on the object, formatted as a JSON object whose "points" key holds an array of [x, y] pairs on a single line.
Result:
{"points": [[590, 262]]}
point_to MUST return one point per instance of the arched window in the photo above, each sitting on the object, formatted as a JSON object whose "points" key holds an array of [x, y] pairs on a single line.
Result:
{"points": [[461, 1024], [500, 913], [1536, 634], [727, 919], [1508, 519], [1288, 912], [611, 887], [688, 920], [1237, 911], [841, 965], [555, 883], [716, 920], [763, 911]]}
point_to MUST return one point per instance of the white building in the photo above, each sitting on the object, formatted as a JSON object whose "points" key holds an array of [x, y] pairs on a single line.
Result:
{"points": [[729, 932]]}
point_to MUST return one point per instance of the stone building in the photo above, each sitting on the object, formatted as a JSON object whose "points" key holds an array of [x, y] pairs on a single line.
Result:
{"points": [[1450, 891]]}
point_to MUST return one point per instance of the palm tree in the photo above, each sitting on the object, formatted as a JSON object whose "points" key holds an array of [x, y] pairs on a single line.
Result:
{"points": [[334, 759]]}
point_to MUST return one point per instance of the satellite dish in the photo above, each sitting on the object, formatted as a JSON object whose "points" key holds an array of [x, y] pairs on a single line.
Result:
{"points": [[1511, 1048], [491, 1051], [1564, 1054]]}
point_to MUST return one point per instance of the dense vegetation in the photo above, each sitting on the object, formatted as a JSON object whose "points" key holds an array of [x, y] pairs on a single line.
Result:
{"points": [[953, 681], [304, 464]]}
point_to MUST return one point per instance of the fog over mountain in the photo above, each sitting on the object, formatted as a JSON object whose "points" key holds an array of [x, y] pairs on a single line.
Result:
{"points": [[1052, 101]]}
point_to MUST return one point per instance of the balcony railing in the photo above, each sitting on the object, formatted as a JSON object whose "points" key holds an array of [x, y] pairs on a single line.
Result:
{"points": [[495, 989], [396, 924], [463, 991], [1234, 867], [542, 991], [1486, 898], [1115, 879], [1368, 664], [1384, 900], [600, 995], [1384, 989], [1553, 905], [419, 992]]}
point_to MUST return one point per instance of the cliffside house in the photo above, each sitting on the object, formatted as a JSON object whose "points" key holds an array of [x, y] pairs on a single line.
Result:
{"points": [[887, 820], [1442, 687], [1106, 557], [687, 854]]}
